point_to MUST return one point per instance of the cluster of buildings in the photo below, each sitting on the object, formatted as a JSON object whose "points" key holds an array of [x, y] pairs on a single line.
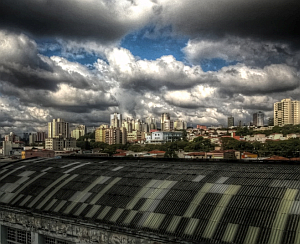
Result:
{"points": [[121, 131], [258, 120], [286, 112], [60, 138]]}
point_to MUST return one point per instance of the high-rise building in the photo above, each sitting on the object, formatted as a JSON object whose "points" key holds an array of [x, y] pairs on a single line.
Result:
{"points": [[58, 128], [230, 121], [286, 112], [79, 131], [59, 136], [180, 125], [258, 119], [116, 135], [151, 122], [116, 120], [100, 133], [164, 117], [271, 122]]}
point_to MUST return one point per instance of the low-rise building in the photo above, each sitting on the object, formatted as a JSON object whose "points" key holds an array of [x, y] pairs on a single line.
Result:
{"points": [[160, 137], [38, 153], [60, 144]]}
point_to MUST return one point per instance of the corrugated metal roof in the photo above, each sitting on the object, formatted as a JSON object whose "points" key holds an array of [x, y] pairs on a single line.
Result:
{"points": [[212, 202]]}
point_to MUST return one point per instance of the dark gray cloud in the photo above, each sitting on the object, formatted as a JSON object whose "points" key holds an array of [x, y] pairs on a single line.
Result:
{"points": [[101, 20], [269, 19]]}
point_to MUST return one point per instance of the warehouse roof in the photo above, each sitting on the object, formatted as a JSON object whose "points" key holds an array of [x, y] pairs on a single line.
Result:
{"points": [[211, 202]]}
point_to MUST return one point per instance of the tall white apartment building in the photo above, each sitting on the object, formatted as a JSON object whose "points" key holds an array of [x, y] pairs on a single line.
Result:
{"points": [[164, 117], [286, 112], [258, 119], [58, 128], [116, 120], [59, 136], [79, 131]]}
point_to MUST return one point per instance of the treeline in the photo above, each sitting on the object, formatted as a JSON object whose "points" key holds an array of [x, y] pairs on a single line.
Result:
{"points": [[287, 148], [198, 144]]}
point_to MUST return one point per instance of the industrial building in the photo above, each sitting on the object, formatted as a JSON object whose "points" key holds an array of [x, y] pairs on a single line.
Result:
{"points": [[96, 200]]}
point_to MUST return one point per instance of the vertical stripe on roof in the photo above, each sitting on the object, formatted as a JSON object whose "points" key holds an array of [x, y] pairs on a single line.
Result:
{"points": [[11, 171], [93, 211], [116, 215], [76, 167], [117, 168], [199, 178], [252, 234], [56, 189], [104, 212], [174, 223], [219, 210], [130, 217], [25, 200], [53, 201], [191, 226], [26, 173], [80, 209], [221, 180], [60, 205], [65, 166], [25, 185], [46, 190], [104, 190], [279, 223], [197, 199], [230, 232]]}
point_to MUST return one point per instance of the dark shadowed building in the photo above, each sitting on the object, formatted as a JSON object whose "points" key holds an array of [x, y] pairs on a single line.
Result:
{"points": [[64, 201]]}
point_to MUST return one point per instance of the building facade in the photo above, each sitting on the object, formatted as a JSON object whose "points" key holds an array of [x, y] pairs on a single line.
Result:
{"points": [[230, 121], [116, 120], [286, 112], [258, 119], [100, 133], [59, 136], [79, 131], [164, 117], [58, 128]]}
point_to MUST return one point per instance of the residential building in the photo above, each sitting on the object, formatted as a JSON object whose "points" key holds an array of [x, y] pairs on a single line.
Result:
{"points": [[258, 119], [100, 133], [58, 128], [151, 123], [116, 120], [38, 153], [32, 138], [59, 136], [135, 136], [10, 148], [164, 117], [116, 135], [230, 121], [168, 125], [159, 137], [180, 125], [60, 144], [79, 131], [12, 137], [286, 112]]}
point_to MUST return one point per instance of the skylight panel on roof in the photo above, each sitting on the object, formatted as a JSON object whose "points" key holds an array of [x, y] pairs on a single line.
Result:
{"points": [[117, 168]]}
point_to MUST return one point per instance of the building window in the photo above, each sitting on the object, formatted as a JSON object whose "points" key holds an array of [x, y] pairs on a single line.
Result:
{"points": [[15, 236], [51, 240]]}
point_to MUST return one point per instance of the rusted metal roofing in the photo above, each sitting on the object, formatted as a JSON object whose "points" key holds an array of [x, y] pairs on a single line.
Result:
{"points": [[208, 202]]}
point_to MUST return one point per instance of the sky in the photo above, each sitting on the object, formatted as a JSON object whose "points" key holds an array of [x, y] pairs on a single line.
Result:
{"points": [[199, 60]]}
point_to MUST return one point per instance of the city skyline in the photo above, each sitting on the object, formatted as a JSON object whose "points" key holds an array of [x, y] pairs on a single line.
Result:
{"points": [[201, 62]]}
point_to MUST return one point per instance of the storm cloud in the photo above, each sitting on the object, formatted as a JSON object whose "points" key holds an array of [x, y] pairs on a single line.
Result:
{"points": [[68, 59]]}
